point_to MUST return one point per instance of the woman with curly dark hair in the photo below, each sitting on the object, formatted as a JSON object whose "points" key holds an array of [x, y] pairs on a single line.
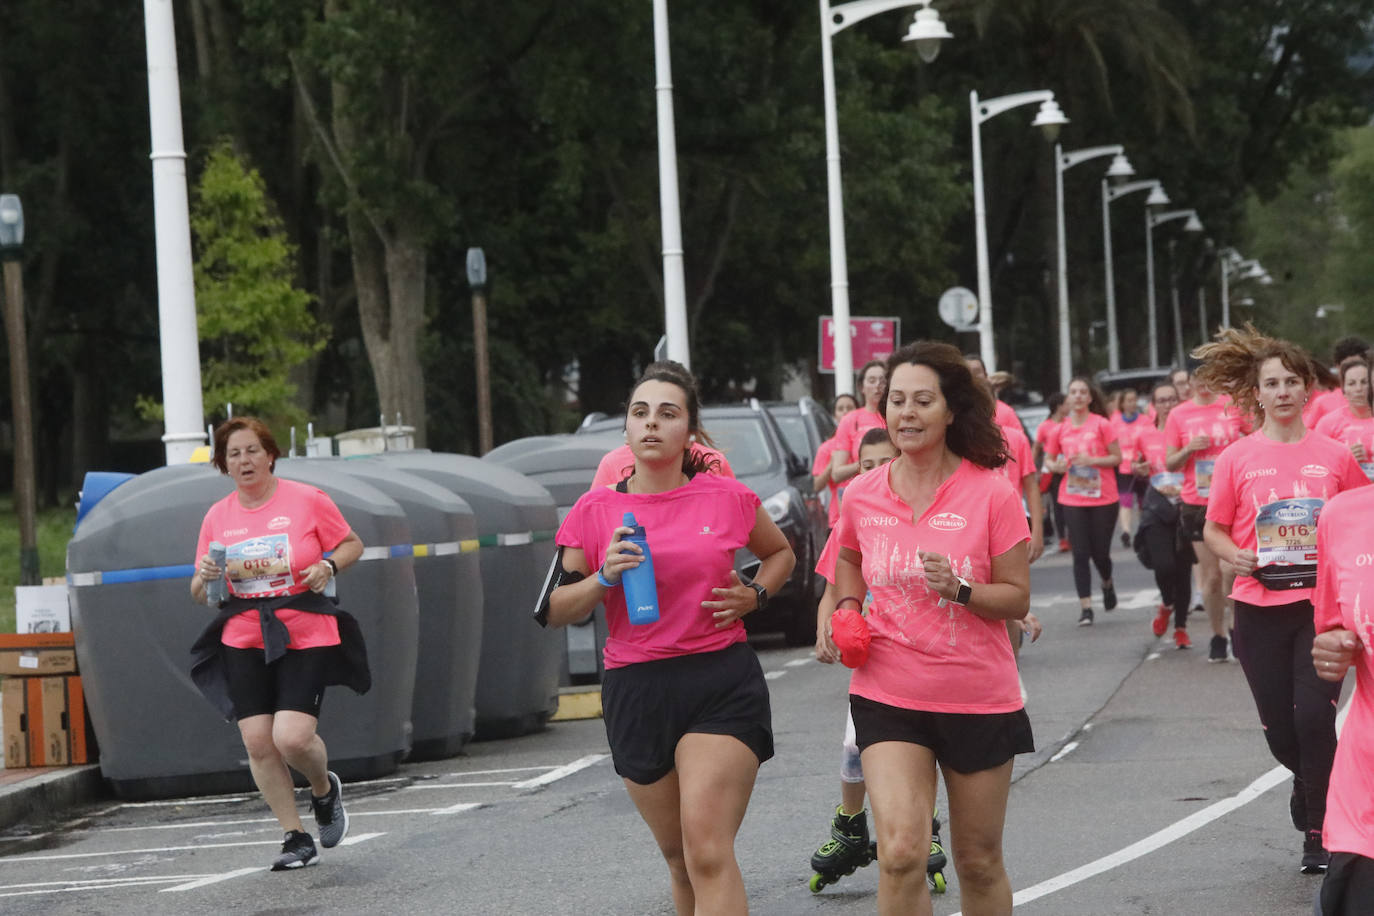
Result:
{"points": [[1269, 490], [938, 537], [1084, 449]]}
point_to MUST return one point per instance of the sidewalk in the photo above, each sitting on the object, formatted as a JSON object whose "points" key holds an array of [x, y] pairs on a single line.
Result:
{"points": [[38, 793]]}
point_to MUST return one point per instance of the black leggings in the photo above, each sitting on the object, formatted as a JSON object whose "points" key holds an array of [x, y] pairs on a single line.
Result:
{"points": [[1173, 562], [1296, 708], [1090, 536], [1056, 510]]}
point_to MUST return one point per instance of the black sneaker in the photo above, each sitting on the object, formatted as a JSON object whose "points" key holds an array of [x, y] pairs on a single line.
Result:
{"points": [[1217, 653], [1108, 597], [1085, 619], [1297, 805], [1315, 858], [298, 851], [1125, 539], [330, 815]]}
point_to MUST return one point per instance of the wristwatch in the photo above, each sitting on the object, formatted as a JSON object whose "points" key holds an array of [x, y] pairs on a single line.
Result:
{"points": [[762, 594], [964, 594]]}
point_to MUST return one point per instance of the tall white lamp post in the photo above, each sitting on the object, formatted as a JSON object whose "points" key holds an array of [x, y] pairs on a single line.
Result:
{"points": [[1050, 118], [1151, 221], [1232, 263], [927, 31], [1110, 193], [1120, 168], [670, 217]]}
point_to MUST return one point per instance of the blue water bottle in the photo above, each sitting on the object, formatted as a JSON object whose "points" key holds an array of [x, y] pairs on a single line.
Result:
{"points": [[641, 591], [217, 590]]}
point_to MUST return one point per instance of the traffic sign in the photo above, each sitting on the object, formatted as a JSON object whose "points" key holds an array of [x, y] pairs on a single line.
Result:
{"points": [[870, 338], [959, 308]]}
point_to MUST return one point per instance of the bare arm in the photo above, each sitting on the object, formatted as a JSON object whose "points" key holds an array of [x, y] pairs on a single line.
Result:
{"points": [[1217, 537], [776, 558], [1030, 486], [1005, 597]]}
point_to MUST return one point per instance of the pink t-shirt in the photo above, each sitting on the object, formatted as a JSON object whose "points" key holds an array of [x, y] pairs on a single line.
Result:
{"points": [[1020, 463], [1003, 414], [1348, 429], [1149, 443], [1345, 568], [266, 550], [619, 463], [1321, 404], [1272, 494], [1084, 486], [1216, 420], [924, 656], [818, 467], [852, 428], [1042, 432], [693, 533], [1126, 431]]}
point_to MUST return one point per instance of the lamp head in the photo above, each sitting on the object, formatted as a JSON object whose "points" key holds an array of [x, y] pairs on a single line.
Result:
{"points": [[1157, 197], [927, 31], [1193, 225], [1120, 169], [477, 268], [1049, 119], [11, 223]]}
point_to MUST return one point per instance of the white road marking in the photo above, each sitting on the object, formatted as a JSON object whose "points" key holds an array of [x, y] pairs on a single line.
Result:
{"points": [[560, 772], [1145, 597], [360, 838], [458, 785], [1152, 656], [1154, 841], [773, 675], [456, 809], [798, 661], [490, 772], [56, 857], [178, 802], [211, 879], [1064, 751], [67, 887]]}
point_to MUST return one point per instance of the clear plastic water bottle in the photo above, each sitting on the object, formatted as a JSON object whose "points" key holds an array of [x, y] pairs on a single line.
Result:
{"points": [[217, 590], [641, 591]]}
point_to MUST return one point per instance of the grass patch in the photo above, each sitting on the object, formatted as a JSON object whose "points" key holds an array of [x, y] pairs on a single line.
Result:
{"points": [[54, 531]]}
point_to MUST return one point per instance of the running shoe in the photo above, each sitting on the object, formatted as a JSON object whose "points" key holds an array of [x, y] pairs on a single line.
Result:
{"points": [[1161, 622], [330, 814], [1125, 539], [1085, 619], [1063, 545], [1297, 805], [1217, 652], [1315, 858], [1181, 640], [297, 851], [1108, 597]]}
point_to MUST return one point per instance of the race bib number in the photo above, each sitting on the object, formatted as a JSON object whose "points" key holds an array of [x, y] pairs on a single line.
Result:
{"points": [[1169, 484], [1368, 468], [260, 566], [1202, 474], [1083, 482], [1286, 531]]}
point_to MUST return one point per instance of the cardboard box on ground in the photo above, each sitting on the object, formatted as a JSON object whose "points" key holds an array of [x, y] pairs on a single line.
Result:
{"points": [[45, 721]]}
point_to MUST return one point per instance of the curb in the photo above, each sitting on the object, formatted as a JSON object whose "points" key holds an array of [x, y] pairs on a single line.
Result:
{"points": [[49, 794], [578, 703]]}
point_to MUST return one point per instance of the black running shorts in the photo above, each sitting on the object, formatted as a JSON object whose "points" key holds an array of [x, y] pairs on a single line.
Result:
{"points": [[1348, 889], [295, 681], [649, 706], [964, 742]]}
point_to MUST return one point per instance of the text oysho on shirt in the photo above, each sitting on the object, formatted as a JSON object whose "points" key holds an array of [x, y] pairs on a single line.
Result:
{"points": [[924, 654], [267, 550], [1272, 495]]}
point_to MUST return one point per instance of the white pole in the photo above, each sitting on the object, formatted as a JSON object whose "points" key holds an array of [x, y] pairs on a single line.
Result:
{"points": [[987, 350], [1150, 288], [674, 282], [1113, 346], [1178, 317], [1225, 295], [839, 267], [1202, 310], [1065, 358], [184, 415]]}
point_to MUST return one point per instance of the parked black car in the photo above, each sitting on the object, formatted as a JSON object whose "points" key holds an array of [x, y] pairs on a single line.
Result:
{"points": [[804, 424], [762, 460]]}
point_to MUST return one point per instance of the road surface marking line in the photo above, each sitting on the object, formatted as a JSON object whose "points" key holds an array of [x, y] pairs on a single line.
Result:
{"points": [[798, 661], [1152, 656], [1154, 841], [1064, 751], [360, 838], [458, 785], [490, 772], [111, 884], [176, 802], [352, 812], [560, 772], [457, 809], [211, 879], [773, 675], [102, 882], [5, 860]]}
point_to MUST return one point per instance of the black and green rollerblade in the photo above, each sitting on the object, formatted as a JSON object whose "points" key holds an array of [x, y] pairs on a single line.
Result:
{"points": [[935, 865], [848, 848]]}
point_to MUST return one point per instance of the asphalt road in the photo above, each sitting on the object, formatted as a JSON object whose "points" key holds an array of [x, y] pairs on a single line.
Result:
{"points": [[1151, 791]]}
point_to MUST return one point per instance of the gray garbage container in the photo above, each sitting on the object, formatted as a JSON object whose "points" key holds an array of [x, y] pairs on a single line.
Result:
{"points": [[448, 588], [565, 466], [517, 679], [129, 563]]}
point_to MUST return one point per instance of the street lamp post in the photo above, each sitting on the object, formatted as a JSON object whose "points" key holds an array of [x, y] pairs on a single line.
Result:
{"points": [[1157, 198], [1151, 221], [477, 281], [25, 489], [670, 216], [1231, 262], [926, 32], [1120, 168], [1050, 118]]}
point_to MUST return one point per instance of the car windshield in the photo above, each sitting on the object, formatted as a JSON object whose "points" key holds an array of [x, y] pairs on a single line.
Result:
{"points": [[794, 431], [743, 441]]}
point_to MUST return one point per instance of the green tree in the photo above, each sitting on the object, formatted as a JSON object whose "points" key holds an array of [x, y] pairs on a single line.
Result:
{"points": [[255, 324]]}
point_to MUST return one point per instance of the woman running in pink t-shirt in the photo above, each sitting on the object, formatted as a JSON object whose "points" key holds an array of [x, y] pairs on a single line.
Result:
{"points": [[938, 537], [1353, 423], [1269, 491], [821, 481], [685, 702], [844, 460]]}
